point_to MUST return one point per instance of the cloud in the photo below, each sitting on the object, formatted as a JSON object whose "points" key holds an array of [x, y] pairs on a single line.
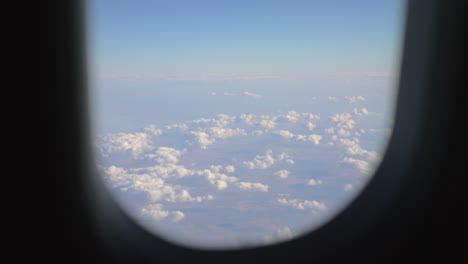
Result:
{"points": [[268, 124], [313, 182], [221, 180], [282, 234], [283, 174], [253, 186], [182, 127], [311, 126], [302, 204], [290, 161], [343, 133], [219, 132], [155, 187], [291, 116], [157, 212], [230, 169], [354, 99], [348, 187], [202, 139], [249, 119], [285, 134], [136, 143], [166, 155], [362, 112], [310, 116], [330, 130], [344, 120], [263, 162], [151, 129], [332, 98], [315, 138], [253, 95], [362, 165]]}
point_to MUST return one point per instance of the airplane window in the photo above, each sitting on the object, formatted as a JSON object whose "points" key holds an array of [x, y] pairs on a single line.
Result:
{"points": [[231, 124]]}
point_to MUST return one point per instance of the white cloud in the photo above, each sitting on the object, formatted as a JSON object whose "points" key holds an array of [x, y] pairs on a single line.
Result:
{"points": [[348, 187], [332, 98], [285, 133], [202, 139], [362, 112], [344, 120], [151, 129], [311, 126], [313, 182], [221, 180], [315, 138], [354, 99], [263, 162], [157, 212], [177, 216], [302, 204], [230, 169], [166, 155], [343, 133], [362, 165], [136, 144], [268, 123], [219, 132], [249, 119], [257, 132], [330, 130], [253, 95], [182, 127], [282, 234], [291, 116], [253, 186], [310, 116], [283, 174], [290, 161], [155, 187]]}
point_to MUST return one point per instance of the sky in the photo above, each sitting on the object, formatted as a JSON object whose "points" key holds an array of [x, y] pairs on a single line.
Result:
{"points": [[224, 124]]}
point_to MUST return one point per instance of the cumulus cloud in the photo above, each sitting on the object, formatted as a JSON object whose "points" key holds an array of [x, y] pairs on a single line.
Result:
{"points": [[263, 162], [220, 180], [230, 169], [354, 99], [285, 134], [166, 155], [332, 98], [157, 212], [315, 138], [348, 187], [182, 127], [302, 204], [155, 188], [362, 165], [136, 143], [311, 126], [291, 116], [203, 139], [330, 130], [268, 123], [253, 186], [253, 95], [290, 161], [362, 112], [310, 116], [219, 132], [249, 119], [282, 234], [313, 182], [343, 120], [283, 174]]}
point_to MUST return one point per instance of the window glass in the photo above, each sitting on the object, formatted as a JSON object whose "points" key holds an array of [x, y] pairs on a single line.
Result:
{"points": [[226, 124]]}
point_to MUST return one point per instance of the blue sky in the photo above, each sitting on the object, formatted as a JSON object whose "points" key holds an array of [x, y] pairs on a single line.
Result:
{"points": [[282, 37], [240, 123]]}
